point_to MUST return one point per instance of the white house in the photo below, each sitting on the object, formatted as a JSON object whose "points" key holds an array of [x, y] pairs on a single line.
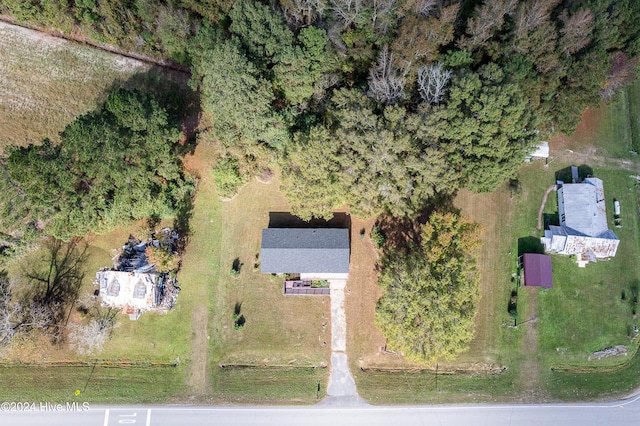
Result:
{"points": [[132, 292], [583, 229]]}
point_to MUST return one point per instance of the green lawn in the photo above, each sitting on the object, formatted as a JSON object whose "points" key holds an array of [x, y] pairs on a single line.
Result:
{"points": [[619, 130], [270, 385], [286, 339], [102, 385], [422, 387]]}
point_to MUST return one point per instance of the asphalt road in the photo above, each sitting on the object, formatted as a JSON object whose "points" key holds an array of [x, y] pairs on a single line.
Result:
{"points": [[616, 413]]}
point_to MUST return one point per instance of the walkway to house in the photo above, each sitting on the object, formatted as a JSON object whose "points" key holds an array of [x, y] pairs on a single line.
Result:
{"points": [[342, 388], [544, 201]]}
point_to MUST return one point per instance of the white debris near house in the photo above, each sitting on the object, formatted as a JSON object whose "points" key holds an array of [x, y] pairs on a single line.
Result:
{"points": [[133, 292], [133, 284]]}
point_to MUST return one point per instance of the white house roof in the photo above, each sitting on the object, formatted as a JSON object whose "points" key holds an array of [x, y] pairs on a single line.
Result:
{"points": [[584, 208], [542, 150], [127, 289]]}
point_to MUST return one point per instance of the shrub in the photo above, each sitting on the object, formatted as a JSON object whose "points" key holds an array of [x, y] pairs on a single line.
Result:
{"points": [[227, 177], [377, 237]]}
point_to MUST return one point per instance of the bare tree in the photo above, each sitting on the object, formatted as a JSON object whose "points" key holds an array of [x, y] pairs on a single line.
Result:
{"points": [[56, 278], [301, 13], [381, 14], [432, 80], [425, 7], [345, 11], [576, 33], [20, 318], [488, 19], [90, 338], [622, 73], [386, 81]]}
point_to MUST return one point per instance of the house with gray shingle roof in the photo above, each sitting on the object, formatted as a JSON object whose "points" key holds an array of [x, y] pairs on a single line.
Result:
{"points": [[583, 229], [314, 253]]}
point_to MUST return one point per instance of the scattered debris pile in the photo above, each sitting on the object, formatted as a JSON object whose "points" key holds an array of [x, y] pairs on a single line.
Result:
{"points": [[143, 275], [612, 351]]}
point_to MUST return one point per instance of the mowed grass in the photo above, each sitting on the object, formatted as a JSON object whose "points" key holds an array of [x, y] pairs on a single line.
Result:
{"points": [[585, 311], [427, 387], [97, 385], [618, 134], [475, 375], [270, 385], [46, 82], [288, 336]]}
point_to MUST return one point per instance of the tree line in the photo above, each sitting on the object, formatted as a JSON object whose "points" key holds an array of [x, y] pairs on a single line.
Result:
{"points": [[113, 165], [374, 103]]}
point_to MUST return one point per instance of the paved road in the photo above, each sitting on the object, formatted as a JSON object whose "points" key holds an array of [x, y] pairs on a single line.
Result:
{"points": [[614, 414]]}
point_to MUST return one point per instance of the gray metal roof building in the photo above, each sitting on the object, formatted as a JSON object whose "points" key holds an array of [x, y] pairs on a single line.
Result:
{"points": [[304, 250], [583, 229]]}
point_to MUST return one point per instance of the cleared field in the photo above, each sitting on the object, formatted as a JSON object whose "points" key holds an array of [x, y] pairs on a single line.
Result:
{"points": [[45, 82]]}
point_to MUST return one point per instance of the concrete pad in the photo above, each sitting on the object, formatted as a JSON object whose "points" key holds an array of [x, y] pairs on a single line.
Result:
{"points": [[338, 317], [341, 382], [342, 402]]}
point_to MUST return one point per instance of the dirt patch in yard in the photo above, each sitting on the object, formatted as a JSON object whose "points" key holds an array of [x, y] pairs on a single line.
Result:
{"points": [[364, 340], [582, 136]]}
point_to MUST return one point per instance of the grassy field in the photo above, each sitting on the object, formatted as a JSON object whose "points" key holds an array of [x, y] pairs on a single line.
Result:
{"points": [[46, 82], [99, 385], [586, 312], [477, 374]]}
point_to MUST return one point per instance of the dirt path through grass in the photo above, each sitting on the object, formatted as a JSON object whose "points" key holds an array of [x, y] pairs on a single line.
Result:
{"points": [[544, 202], [197, 273], [531, 368]]}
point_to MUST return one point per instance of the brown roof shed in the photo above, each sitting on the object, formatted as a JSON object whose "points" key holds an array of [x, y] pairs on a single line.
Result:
{"points": [[537, 270]]}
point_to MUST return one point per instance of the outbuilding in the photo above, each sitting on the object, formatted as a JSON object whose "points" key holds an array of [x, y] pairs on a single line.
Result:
{"points": [[537, 270]]}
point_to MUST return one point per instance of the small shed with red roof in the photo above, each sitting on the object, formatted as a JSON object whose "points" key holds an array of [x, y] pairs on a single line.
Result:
{"points": [[537, 270]]}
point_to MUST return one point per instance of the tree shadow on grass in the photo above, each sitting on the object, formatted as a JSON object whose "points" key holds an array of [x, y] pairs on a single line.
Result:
{"points": [[181, 222], [530, 245], [236, 266], [550, 219], [402, 233]]}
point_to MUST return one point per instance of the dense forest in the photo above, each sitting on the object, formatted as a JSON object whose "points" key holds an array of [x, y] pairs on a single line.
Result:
{"points": [[377, 104]]}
